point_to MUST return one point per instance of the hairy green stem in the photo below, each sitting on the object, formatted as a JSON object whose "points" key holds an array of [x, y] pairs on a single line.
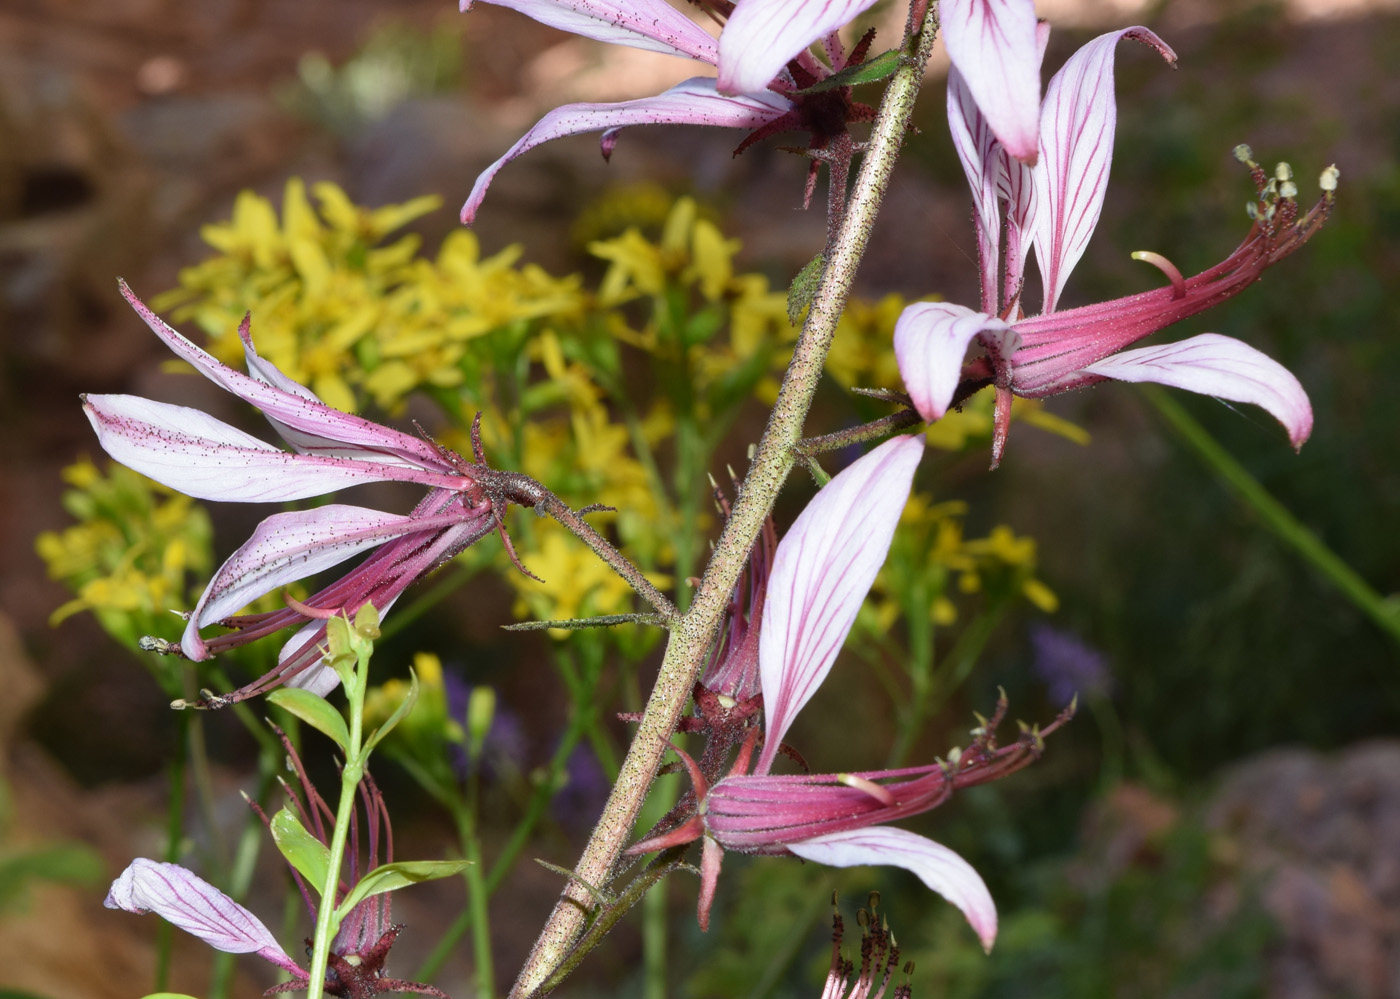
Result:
{"points": [[693, 632], [1384, 613]]}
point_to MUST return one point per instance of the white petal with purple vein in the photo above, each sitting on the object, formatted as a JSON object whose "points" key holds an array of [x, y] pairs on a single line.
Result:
{"points": [[195, 906], [642, 24], [1077, 125], [930, 341], [936, 866], [1221, 366], [761, 36], [200, 456], [993, 45], [822, 571], [693, 102]]}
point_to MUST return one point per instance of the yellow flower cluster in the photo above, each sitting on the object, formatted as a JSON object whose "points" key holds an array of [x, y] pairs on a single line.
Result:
{"points": [[134, 552], [429, 717], [931, 543], [694, 259], [353, 317]]}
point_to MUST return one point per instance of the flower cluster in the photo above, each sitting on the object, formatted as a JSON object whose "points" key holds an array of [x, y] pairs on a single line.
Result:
{"points": [[350, 316]]}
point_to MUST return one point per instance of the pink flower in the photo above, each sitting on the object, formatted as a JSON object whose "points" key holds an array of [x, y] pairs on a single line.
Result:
{"points": [[203, 457], [366, 934], [823, 569], [761, 56], [1054, 208], [197, 907]]}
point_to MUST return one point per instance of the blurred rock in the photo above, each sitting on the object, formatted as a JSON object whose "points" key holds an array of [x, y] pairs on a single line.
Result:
{"points": [[1322, 832]]}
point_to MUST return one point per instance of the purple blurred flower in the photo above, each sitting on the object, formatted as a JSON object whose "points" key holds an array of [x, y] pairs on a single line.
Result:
{"points": [[1054, 208], [1067, 665], [506, 741], [585, 789]]}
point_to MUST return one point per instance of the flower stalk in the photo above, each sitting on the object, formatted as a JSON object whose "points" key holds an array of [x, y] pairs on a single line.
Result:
{"points": [[774, 458]]}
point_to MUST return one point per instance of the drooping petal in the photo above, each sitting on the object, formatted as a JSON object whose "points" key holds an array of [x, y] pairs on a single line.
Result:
{"points": [[1221, 366], [822, 571], [200, 456], [351, 436], [290, 546], [644, 24], [993, 45], [935, 865], [1078, 122], [197, 907], [930, 340], [693, 102], [761, 36]]}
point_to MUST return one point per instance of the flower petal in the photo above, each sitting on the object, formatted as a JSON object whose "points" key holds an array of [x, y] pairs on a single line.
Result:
{"points": [[1221, 366], [821, 572], [936, 866], [200, 456], [644, 24], [1078, 121], [993, 45], [197, 907], [930, 340], [693, 102], [977, 150], [761, 36], [290, 546], [302, 411]]}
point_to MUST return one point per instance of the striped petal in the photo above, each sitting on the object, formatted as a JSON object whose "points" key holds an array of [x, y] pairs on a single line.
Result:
{"points": [[930, 341], [823, 569], [694, 102], [290, 546], [1077, 125], [1221, 366], [935, 865], [196, 907], [993, 45], [761, 36], [644, 24], [350, 435], [200, 456]]}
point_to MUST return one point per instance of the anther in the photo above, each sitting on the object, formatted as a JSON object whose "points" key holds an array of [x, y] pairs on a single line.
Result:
{"points": [[1287, 189], [1283, 172], [1329, 178], [1244, 154]]}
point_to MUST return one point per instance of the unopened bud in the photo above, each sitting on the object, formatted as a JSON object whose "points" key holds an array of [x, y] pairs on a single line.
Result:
{"points": [[1329, 178], [481, 711]]}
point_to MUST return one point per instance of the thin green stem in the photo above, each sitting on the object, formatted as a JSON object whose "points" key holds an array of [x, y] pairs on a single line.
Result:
{"points": [[1383, 612], [353, 771], [174, 833], [693, 632]]}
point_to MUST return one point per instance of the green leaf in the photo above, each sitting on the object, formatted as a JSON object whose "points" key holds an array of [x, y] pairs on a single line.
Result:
{"points": [[400, 713], [875, 68], [399, 875], [315, 711], [307, 854], [803, 287]]}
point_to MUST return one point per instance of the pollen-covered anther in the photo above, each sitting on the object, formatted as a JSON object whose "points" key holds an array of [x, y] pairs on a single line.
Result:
{"points": [[1245, 155], [1328, 180], [1287, 189], [1283, 172]]}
